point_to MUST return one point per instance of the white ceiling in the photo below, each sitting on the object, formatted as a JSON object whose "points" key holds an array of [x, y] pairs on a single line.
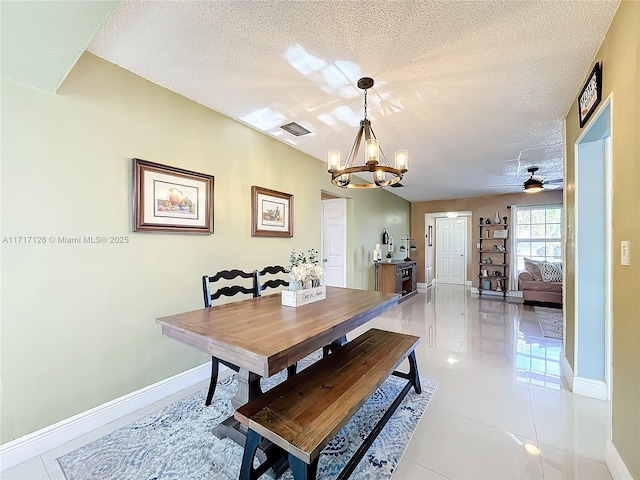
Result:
{"points": [[476, 90]]}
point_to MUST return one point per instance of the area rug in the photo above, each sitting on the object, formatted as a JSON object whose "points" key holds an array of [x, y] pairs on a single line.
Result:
{"points": [[177, 442], [550, 320]]}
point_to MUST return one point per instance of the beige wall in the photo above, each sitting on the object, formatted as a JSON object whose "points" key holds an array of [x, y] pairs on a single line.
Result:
{"points": [[620, 58], [486, 206], [78, 321]]}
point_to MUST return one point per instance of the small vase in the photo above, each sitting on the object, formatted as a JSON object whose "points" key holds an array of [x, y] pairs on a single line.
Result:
{"points": [[294, 286], [497, 219], [308, 284]]}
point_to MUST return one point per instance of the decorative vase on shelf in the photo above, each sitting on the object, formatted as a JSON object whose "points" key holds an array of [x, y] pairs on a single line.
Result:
{"points": [[487, 221], [385, 236], [481, 220], [505, 220], [497, 219]]}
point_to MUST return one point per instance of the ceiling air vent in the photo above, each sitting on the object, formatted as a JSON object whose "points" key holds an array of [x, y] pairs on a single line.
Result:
{"points": [[295, 129]]}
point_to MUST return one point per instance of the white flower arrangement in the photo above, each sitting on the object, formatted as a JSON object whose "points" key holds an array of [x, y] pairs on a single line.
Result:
{"points": [[304, 269]]}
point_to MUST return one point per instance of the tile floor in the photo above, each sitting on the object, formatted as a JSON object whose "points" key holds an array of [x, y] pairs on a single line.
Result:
{"points": [[501, 410]]}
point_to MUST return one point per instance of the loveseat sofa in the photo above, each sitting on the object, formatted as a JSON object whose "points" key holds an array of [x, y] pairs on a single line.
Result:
{"points": [[541, 282]]}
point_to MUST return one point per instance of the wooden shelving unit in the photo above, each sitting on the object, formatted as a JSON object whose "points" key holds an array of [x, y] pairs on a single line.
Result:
{"points": [[493, 249]]}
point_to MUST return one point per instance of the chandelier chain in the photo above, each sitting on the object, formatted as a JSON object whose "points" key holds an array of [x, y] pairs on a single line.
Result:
{"points": [[365, 104]]}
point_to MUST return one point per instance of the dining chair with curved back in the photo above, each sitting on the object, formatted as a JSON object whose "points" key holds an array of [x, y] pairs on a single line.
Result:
{"points": [[227, 291], [272, 283]]}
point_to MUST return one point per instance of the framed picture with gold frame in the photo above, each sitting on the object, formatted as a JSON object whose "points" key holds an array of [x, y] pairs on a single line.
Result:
{"points": [[271, 213]]}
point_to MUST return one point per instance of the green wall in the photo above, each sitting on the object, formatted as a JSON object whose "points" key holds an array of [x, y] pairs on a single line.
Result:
{"points": [[78, 320], [620, 57]]}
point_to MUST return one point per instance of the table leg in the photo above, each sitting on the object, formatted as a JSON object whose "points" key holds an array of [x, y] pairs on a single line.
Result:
{"points": [[248, 388]]}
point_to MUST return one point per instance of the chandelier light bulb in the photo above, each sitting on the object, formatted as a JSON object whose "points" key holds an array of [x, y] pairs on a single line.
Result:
{"points": [[344, 180], [373, 151], [333, 160], [378, 177], [402, 159]]}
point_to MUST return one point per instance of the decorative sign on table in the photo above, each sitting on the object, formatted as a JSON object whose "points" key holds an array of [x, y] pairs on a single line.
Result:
{"points": [[303, 297], [590, 95]]}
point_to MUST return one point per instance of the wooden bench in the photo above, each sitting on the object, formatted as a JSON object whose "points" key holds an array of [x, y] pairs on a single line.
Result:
{"points": [[302, 414]]}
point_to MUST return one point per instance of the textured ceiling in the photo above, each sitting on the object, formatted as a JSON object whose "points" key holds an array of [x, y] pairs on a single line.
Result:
{"points": [[475, 90]]}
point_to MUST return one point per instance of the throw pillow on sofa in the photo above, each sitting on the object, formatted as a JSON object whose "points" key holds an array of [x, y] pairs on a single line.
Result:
{"points": [[551, 272], [533, 267]]}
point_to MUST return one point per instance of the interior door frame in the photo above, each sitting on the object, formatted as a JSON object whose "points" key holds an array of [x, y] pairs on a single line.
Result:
{"points": [[581, 385]]}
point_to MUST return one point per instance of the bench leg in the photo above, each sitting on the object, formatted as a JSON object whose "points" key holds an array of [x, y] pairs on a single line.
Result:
{"points": [[214, 380], [301, 470], [414, 378], [247, 472]]}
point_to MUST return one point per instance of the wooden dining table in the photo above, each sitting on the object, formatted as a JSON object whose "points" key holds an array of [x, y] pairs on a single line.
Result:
{"points": [[262, 337]]}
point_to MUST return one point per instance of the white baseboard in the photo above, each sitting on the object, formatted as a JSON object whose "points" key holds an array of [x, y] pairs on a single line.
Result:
{"points": [[422, 287], [615, 464], [566, 371], [588, 387], [21, 449]]}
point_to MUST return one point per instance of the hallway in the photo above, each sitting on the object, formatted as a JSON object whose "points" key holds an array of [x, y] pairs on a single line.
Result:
{"points": [[501, 409]]}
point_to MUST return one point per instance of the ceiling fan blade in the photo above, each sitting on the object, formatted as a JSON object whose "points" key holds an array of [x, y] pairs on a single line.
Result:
{"points": [[505, 185], [555, 180]]}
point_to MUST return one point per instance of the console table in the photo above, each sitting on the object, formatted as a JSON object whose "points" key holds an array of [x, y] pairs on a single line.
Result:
{"points": [[397, 277]]}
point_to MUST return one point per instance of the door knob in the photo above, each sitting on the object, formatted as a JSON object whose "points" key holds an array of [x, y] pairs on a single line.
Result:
{"points": [[324, 259]]}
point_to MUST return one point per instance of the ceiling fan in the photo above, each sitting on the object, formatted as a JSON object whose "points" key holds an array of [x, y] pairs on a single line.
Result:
{"points": [[535, 183]]}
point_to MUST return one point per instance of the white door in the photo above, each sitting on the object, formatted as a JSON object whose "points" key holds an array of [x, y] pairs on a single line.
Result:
{"points": [[451, 262], [334, 242]]}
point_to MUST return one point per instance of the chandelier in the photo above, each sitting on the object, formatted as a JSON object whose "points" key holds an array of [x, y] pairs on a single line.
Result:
{"points": [[383, 174]]}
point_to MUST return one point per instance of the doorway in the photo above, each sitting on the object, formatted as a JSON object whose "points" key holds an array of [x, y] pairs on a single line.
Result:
{"points": [[451, 250], [334, 242], [592, 356]]}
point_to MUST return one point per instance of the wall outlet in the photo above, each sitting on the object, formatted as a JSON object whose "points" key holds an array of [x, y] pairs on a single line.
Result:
{"points": [[625, 253], [477, 245]]}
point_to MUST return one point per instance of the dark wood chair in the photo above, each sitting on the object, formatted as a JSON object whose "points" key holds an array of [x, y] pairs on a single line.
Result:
{"points": [[227, 290], [270, 283], [261, 286]]}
